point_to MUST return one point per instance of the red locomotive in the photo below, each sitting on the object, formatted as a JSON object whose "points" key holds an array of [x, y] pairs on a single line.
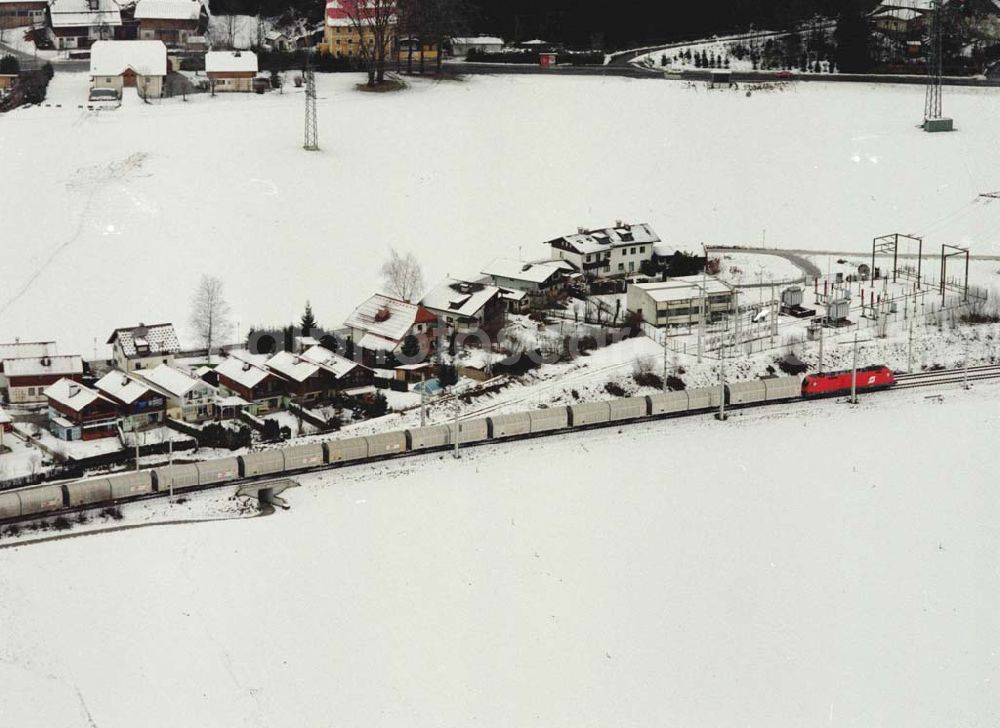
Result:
{"points": [[831, 384]]}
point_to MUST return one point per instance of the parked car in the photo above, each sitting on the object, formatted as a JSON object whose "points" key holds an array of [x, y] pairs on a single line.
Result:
{"points": [[104, 98]]}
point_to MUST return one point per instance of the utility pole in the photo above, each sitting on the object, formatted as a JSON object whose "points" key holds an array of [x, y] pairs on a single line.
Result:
{"points": [[135, 433], [854, 372], [722, 382], [170, 465], [423, 402], [664, 332], [909, 350], [965, 367], [821, 328], [457, 429]]}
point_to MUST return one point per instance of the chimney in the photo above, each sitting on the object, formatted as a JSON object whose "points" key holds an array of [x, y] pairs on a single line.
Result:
{"points": [[618, 223]]}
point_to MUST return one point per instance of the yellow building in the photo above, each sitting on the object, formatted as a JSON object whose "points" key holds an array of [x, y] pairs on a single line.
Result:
{"points": [[410, 47], [342, 37]]}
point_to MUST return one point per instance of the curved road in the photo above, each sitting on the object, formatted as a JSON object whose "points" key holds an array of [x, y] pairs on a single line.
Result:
{"points": [[809, 268]]}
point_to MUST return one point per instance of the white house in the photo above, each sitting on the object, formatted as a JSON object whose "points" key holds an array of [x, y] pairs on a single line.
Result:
{"points": [[27, 377], [22, 350], [231, 70], [381, 323], [464, 305], [120, 64], [479, 43], [618, 250], [79, 23], [144, 347], [522, 276], [189, 398], [171, 21]]}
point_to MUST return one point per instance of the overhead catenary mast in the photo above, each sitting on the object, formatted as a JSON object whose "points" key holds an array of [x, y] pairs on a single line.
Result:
{"points": [[934, 119], [311, 143]]}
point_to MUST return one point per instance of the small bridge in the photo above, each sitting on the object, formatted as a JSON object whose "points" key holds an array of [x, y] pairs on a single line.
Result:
{"points": [[268, 492]]}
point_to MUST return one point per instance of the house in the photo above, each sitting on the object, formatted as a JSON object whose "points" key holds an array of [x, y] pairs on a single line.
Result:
{"points": [[231, 70], [7, 80], [6, 423], [170, 21], [77, 412], [317, 372], [140, 405], [479, 44], [22, 13], [246, 376], [901, 22], [679, 301], [121, 64], [516, 301], [79, 23], [343, 36], [382, 323], [465, 306], [189, 398], [27, 378], [619, 250], [144, 347], [278, 41], [534, 278], [22, 350]]}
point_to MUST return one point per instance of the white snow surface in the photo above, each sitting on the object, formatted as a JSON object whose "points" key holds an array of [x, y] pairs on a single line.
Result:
{"points": [[151, 196], [801, 571]]}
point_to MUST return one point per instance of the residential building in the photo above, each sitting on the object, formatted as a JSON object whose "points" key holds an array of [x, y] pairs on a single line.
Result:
{"points": [[316, 373], [231, 70], [619, 250], [22, 13], [79, 23], [7, 80], [27, 378], [144, 347], [534, 278], [23, 350], [900, 22], [189, 398], [6, 423], [246, 376], [170, 21], [140, 405], [343, 36], [680, 301], [411, 51], [480, 44], [77, 412], [465, 306], [382, 323], [278, 41], [121, 64]]}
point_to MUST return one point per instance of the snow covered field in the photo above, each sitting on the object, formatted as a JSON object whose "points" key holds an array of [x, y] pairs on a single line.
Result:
{"points": [[781, 569], [109, 218]]}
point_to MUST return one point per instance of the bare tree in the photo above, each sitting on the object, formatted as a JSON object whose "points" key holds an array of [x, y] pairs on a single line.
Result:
{"points": [[402, 276], [210, 313], [374, 21]]}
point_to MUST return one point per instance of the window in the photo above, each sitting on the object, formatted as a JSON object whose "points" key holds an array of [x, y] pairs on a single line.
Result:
{"points": [[621, 267], [631, 266], [589, 258], [632, 251], [607, 256], [642, 249]]}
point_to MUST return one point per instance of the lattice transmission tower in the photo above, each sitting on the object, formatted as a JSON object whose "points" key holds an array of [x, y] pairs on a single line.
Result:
{"points": [[934, 119], [311, 143]]}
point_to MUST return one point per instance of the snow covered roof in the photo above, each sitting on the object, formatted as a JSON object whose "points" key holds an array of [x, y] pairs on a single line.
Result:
{"points": [[293, 366], [513, 295], [924, 5], [78, 13], [168, 10], [20, 349], [374, 342], [230, 62], [121, 387], [905, 14], [338, 15], [459, 297], [388, 318], [335, 364], [518, 270], [114, 57], [478, 40], [245, 373], [74, 395], [535, 42], [170, 379], [142, 340], [597, 241], [682, 288], [43, 365]]}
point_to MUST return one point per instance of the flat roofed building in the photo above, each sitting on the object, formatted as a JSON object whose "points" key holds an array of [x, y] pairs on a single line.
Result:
{"points": [[679, 301]]}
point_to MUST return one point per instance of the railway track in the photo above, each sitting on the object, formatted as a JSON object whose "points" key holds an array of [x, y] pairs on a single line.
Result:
{"points": [[947, 376]]}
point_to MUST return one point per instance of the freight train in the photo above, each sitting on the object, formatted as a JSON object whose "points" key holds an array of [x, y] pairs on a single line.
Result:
{"points": [[45, 499]]}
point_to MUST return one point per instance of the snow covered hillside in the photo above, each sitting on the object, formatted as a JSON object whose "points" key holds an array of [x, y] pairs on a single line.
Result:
{"points": [[109, 218], [799, 570]]}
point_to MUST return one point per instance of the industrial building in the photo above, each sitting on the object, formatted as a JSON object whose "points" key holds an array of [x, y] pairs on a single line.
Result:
{"points": [[679, 301]]}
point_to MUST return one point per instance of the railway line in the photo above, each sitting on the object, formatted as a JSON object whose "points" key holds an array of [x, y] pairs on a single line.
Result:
{"points": [[54, 499]]}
